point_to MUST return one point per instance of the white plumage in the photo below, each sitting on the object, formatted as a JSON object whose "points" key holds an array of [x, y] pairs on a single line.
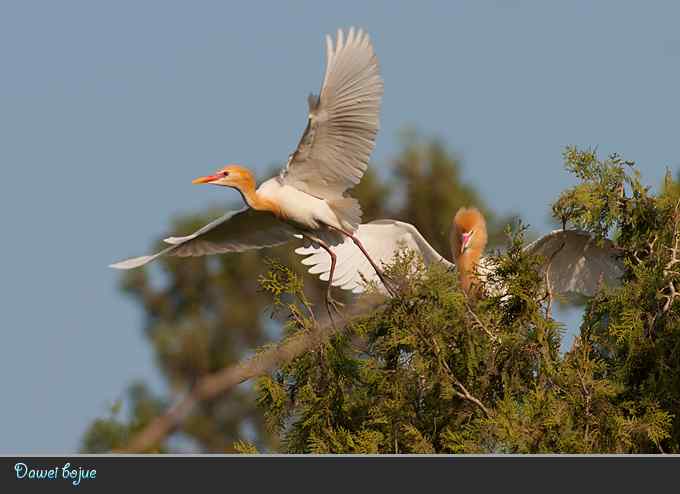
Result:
{"points": [[333, 152], [307, 198], [577, 265], [236, 231]]}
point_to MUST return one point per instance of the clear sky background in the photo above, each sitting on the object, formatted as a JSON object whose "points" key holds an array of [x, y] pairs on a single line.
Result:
{"points": [[109, 109]]}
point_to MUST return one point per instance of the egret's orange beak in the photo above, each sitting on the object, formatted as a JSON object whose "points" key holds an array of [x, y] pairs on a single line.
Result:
{"points": [[206, 180], [465, 241]]}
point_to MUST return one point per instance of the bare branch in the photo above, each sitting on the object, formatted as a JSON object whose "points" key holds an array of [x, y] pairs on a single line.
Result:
{"points": [[548, 287], [668, 273], [462, 391], [493, 337], [221, 382]]}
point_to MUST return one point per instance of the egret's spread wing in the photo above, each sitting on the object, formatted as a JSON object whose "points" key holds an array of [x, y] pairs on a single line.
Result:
{"points": [[575, 263], [382, 239], [333, 152], [236, 231]]}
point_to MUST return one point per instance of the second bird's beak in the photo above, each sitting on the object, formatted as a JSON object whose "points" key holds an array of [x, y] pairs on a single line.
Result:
{"points": [[206, 180], [466, 237]]}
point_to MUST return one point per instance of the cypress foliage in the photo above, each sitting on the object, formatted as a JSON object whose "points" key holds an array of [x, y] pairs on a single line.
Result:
{"points": [[435, 372], [430, 370]]}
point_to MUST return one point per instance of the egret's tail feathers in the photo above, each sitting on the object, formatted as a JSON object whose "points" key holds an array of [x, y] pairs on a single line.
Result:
{"points": [[348, 211]]}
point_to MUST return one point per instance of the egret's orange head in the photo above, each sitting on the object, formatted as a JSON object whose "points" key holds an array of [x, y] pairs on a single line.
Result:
{"points": [[232, 175], [468, 233]]}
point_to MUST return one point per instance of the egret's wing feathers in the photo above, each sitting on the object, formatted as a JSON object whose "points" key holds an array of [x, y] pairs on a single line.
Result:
{"points": [[575, 262], [334, 150], [236, 231], [382, 239]]}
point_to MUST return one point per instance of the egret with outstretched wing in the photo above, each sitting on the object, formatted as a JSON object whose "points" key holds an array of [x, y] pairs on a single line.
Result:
{"points": [[308, 198], [574, 262]]}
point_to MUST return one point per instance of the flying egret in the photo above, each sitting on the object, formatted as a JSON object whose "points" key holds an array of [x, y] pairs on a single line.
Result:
{"points": [[307, 199], [575, 264]]}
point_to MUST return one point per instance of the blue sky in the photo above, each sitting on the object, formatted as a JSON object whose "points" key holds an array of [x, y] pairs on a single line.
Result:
{"points": [[108, 110]]}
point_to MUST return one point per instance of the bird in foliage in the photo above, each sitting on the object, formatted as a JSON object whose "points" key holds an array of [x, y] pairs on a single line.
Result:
{"points": [[573, 264]]}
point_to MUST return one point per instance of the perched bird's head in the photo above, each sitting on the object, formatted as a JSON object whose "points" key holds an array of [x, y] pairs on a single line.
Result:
{"points": [[235, 176], [468, 232]]}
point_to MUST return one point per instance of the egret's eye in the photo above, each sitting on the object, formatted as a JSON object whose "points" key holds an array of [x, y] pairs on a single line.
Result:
{"points": [[225, 173]]}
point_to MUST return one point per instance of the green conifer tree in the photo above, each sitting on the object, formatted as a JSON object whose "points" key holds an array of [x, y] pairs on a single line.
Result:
{"points": [[202, 314], [433, 371]]}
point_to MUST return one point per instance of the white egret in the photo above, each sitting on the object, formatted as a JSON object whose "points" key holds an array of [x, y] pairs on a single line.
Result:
{"points": [[574, 264], [308, 198]]}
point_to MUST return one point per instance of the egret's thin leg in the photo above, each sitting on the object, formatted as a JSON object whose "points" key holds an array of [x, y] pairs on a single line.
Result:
{"points": [[330, 301], [379, 272]]}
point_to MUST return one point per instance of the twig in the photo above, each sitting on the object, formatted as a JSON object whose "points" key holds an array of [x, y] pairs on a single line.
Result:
{"points": [[674, 259], [462, 390], [589, 413], [549, 292], [493, 337], [466, 394]]}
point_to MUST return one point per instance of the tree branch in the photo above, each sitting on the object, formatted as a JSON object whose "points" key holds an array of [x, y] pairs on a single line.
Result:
{"points": [[492, 336], [462, 391], [221, 382], [668, 273]]}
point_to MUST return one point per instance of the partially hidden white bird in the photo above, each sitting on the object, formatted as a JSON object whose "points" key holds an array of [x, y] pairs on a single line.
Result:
{"points": [[308, 198], [574, 265]]}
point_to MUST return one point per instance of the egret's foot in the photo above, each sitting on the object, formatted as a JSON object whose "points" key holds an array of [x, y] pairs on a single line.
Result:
{"points": [[333, 306], [389, 283]]}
